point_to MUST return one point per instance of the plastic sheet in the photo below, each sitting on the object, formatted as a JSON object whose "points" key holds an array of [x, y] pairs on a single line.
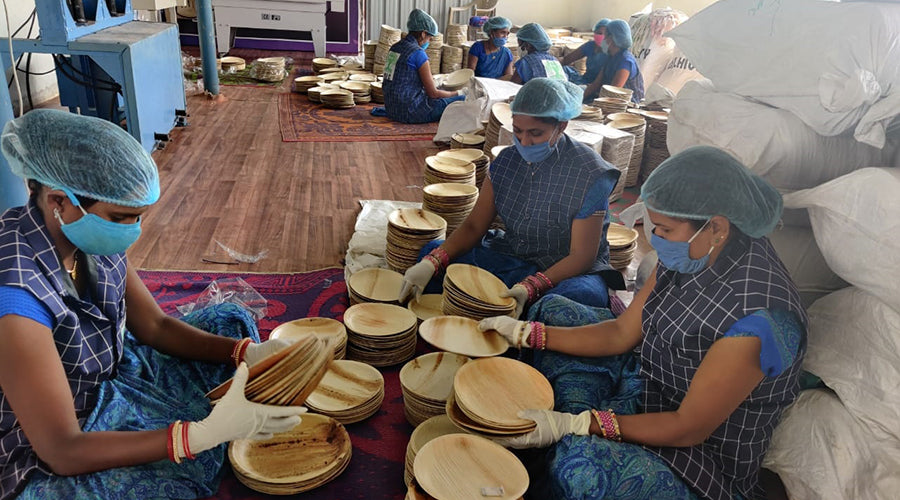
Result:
{"points": [[232, 291]]}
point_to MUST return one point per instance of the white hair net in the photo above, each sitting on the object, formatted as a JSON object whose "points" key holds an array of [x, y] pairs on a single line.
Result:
{"points": [[548, 97]]}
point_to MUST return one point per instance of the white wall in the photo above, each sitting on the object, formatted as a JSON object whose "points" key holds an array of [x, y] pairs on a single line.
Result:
{"points": [[43, 87], [582, 14]]}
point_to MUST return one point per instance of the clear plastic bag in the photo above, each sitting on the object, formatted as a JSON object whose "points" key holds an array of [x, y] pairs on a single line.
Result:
{"points": [[229, 290]]}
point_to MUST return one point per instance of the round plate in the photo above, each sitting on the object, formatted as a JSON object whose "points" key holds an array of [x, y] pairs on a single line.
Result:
{"points": [[431, 375], [364, 77], [320, 327], [376, 284], [374, 319], [464, 154], [459, 77], [479, 284], [324, 61], [461, 336], [417, 219], [446, 189], [355, 86], [346, 385], [468, 139], [432, 428], [625, 124], [620, 236], [426, 306], [619, 91], [502, 112], [451, 166], [496, 389]]}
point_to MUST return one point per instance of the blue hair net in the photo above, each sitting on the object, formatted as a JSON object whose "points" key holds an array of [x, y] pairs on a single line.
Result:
{"points": [[548, 97], [620, 33], [496, 23], [702, 181], [419, 20], [89, 156], [534, 34], [601, 23]]}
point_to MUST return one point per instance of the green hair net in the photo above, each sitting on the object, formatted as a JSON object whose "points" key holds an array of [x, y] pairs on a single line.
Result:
{"points": [[548, 97], [496, 23], [534, 34], [419, 20], [702, 181], [89, 156], [620, 33], [601, 23]]}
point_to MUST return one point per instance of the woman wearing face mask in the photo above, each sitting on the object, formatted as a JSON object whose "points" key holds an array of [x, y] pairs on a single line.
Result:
{"points": [[491, 58], [678, 396], [620, 68], [410, 95], [535, 60], [93, 401], [552, 194], [592, 50]]}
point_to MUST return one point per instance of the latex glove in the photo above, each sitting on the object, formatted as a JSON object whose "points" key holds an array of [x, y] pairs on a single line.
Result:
{"points": [[415, 279], [257, 352], [463, 91], [234, 417], [520, 293], [551, 427], [514, 331]]}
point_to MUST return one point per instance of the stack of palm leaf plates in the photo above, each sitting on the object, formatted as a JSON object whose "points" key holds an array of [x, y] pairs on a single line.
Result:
{"points": [[303, 83], [444, 169], [427, 382], [452, 201], [380, 334], [426, 306], [325, 328], [472, 292], [349, 392], [460, 141], [320, 63], [409, 229], [500, 115], [337, 99], [477, 156], [461, 336], [429, 429], [375, 285], [377, 93], [622, 244]]}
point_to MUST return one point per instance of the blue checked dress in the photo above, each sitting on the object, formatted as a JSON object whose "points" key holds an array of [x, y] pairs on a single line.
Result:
{"points": [[116, 383], [405, 99], [533, 65]]}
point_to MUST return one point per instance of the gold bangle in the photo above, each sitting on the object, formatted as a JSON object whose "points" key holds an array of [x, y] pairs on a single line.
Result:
{"points": [[176, 435]]}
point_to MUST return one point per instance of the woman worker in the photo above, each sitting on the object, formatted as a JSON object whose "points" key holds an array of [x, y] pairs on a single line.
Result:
{"points": [[678, 396], [410, 95], [552, 194], [535, 60], [93, 400], [491, 58], [594, 54], [620, 69]]}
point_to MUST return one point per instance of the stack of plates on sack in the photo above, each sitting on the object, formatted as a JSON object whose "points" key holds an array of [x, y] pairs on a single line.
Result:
{"points": [[610, 105], [349, 392], [616, 92], [427, 382], [442, 169], [489, 393], [456, 34], [450, 200], [304, 83], [426, 306], [380, 334], [375, 285], [637, 126], [328, 71], [388, 36], [352, 65], [369, 47], [461, 336], [451, 59], [268, 69], [337, 99], [306, 457], [622, 243], [472, 292], [434, 51], [476, 156], [361, 91], [592, 113], [466, 141], [657, 150], [495, 151], [409, 229], [334, 77], [377, 92], [500, 116], [462, 466], [363, 77], [434, 427], [325, 328], [231, 63], [287, 377], [320, 63], [458, 79]]}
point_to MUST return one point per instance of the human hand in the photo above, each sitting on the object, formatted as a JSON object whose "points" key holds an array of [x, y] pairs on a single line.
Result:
{"points": [[520, 293], [257, 352], [551, 427], [415, 279], [515, 332], [463, 91], [234, 417]]}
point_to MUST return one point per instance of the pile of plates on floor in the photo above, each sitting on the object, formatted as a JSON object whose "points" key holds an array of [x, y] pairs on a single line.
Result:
{"points": [[337, 98], [324, 328], [349, 392], [320, 63], [363, 77], [434, 427], [476, 156], [657, 150], [456, 34], [426, 306], [377, 92], [361, 91], [616, 92], [434, 51], [268, 69], [616, 149], [592, 113], [500, 116], [287, 377], [472, 292], [451, 59], [369, 47], [232, 63], [306, 457], [374, 285], [466, 141], [458, 79], [314, 94], [443, 169], [450, 200], [610, 105], [637, 126], [352, 65], [409, 229], [303, 83], [426, 383], [388, 36], [380, 334], [622, 243], [461, 336], [489, 393]]}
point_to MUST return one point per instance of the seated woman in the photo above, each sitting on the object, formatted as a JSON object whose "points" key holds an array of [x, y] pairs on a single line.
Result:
{"points": [[410, 95], [490, 58], [620, 69], [535, 61], [591, 50], [93, 400], [678, 396], [552, 194]]}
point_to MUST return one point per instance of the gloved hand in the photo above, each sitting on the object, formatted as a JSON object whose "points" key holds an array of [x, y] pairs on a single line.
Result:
{"points": [[515, 332], [257, 352], [234, 417], [415, 279], [520, 293], [463, 91], [551, 427]]}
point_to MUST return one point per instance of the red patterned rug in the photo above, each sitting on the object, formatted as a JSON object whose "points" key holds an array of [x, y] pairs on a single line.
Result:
{"points": [[303, 121], [379, 443]]}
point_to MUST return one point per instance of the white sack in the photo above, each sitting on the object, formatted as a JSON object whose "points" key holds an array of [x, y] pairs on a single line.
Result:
{"points": [[459, 117], [652, 50], [495, 91], [797, 249], [677, 72], [368, 244]]}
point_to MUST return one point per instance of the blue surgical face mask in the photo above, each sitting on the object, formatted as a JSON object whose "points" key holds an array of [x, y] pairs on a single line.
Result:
{"points": [[499, 42], [536, 152], [95, 235], [604, 46], [426, 44], [676, 255]]}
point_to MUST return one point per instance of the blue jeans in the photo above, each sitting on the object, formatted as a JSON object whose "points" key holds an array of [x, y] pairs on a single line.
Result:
{"points": [[440, 105]]}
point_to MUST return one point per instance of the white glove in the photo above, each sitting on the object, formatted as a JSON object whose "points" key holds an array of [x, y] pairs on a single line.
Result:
{"points": [[551, 427], [415, 279], [234, 417], [520, 293], [515, 332], [463, 91], [257, 352]]}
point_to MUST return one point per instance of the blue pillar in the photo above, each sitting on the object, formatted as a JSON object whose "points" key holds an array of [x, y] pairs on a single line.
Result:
{"points": [[12, 188], [207, 34]]}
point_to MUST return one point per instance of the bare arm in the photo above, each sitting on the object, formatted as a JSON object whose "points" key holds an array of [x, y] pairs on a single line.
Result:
{"points": [[620, 78], [515, 78], [428, 82], [593, 88], [471, 62], [507, 75], [470, 232], [571, 57]]}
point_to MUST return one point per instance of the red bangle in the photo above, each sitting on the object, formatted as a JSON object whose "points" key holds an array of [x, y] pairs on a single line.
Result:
{"points": [[237, 355], [434, 262], [170, 445], [442, 258], [609, 426], [184, 441], [543, 277]]}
